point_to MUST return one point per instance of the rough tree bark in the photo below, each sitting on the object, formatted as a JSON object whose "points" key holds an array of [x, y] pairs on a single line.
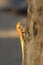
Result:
{"points": [[33, 47]]}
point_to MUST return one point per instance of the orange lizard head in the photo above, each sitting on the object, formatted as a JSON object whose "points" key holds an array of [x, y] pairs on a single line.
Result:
{"points": [[19, 28]]}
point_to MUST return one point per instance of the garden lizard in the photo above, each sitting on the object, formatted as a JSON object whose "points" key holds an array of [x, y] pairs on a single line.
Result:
{"points": [[21, 33]]}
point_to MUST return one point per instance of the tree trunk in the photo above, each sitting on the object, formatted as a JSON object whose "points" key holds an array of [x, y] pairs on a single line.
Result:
{"points": [[33, 47]]}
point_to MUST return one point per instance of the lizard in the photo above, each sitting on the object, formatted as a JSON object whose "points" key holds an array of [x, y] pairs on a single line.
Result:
{"points": [[21, 31]]}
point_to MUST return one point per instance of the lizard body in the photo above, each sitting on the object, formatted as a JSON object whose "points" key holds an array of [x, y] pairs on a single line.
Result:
{"points": [[20, 33]]}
